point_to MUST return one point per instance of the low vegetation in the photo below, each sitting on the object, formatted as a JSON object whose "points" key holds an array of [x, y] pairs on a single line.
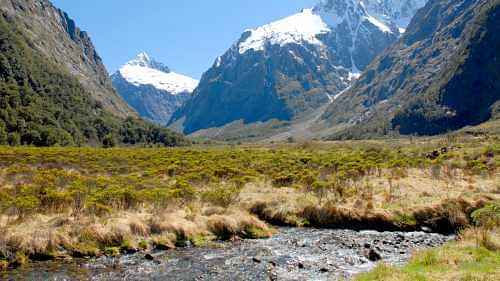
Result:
{"points": [[475, 256], [57, 203]]}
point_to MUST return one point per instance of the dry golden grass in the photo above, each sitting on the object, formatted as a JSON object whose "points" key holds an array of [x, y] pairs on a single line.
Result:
{"points": [[48, 237], [381, 201], [139, 228], [418, 187], [238, 224]]}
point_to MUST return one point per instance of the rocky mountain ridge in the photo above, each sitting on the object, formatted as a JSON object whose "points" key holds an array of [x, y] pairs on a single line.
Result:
{"points": [[56, 35], [287, 69], [442, 75]]}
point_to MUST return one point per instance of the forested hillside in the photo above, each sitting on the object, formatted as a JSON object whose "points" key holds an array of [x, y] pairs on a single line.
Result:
{"points": [[43, 105]]}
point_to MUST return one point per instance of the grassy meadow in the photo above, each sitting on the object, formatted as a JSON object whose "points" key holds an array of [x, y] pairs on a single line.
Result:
{"points": [[60, 203]]}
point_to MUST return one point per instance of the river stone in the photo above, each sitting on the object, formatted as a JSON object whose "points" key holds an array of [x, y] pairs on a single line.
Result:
{"points": [[426, 229], [373, 255]]}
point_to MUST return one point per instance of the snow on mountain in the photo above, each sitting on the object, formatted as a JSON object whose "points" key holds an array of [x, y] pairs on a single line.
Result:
{"points": [[301, 27], [152, 89], [307, 26], [378, 24], [145, 71]]}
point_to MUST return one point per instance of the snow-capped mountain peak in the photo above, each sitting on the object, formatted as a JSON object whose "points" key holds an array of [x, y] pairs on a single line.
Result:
{"points": [[389, 16], [335, 12], [300, 27], [143, 70], [386, 12], [144, 60]]}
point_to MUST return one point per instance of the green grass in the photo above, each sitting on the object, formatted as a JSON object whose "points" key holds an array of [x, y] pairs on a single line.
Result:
{"points": [[450, 262]]}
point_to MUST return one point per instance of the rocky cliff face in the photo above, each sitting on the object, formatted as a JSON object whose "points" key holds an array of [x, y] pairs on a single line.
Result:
{"points": [[399, 12], [46, 102], [55, 34], [442, 75], [152, 89], [291, 67]]}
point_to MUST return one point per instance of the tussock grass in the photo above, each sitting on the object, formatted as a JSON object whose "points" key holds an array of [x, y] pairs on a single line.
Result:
{"points": [[238, 224], [139, 228], [45, 238], [56, 202], [447, 216]]}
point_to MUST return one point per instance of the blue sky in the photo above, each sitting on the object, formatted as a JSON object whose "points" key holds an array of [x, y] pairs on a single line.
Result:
{"points": [[187, 35]]}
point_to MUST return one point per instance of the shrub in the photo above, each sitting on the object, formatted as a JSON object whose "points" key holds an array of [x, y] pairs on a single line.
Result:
{"points": [[14, 139], [112, 251], [321, 189], [283, 180], [4, 265], [488, 216], [26, 205], [143, 244], [3, 137], [109, 141], [222, 195], [139, 228], [98, 209], [164, 242], [184, 192]]}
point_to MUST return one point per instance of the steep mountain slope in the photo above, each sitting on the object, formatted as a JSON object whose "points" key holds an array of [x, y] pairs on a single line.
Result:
{"points": [[289, 68], [43, 104], [442, 75], [152, 89], [55, 35], [398, 11]]}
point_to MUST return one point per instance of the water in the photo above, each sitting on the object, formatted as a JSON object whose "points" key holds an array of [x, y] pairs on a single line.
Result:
{"points": [[292, 254]]}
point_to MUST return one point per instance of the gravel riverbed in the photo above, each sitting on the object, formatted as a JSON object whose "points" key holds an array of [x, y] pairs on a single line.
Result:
{"points": [[292, 254]]}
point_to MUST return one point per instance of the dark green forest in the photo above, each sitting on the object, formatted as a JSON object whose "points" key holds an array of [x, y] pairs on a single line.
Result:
{"points": [[43, 105]]}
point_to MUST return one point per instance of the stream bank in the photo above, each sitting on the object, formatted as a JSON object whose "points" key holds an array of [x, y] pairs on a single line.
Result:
{"points": [[291, 254]]}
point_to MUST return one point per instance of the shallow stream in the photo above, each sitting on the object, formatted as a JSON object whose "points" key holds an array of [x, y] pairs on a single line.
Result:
{"points": [[292, 254]]}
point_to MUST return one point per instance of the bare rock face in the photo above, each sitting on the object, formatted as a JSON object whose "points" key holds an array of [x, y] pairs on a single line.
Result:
{"points": [[442, 75], [289, 68], [57, 36]]}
